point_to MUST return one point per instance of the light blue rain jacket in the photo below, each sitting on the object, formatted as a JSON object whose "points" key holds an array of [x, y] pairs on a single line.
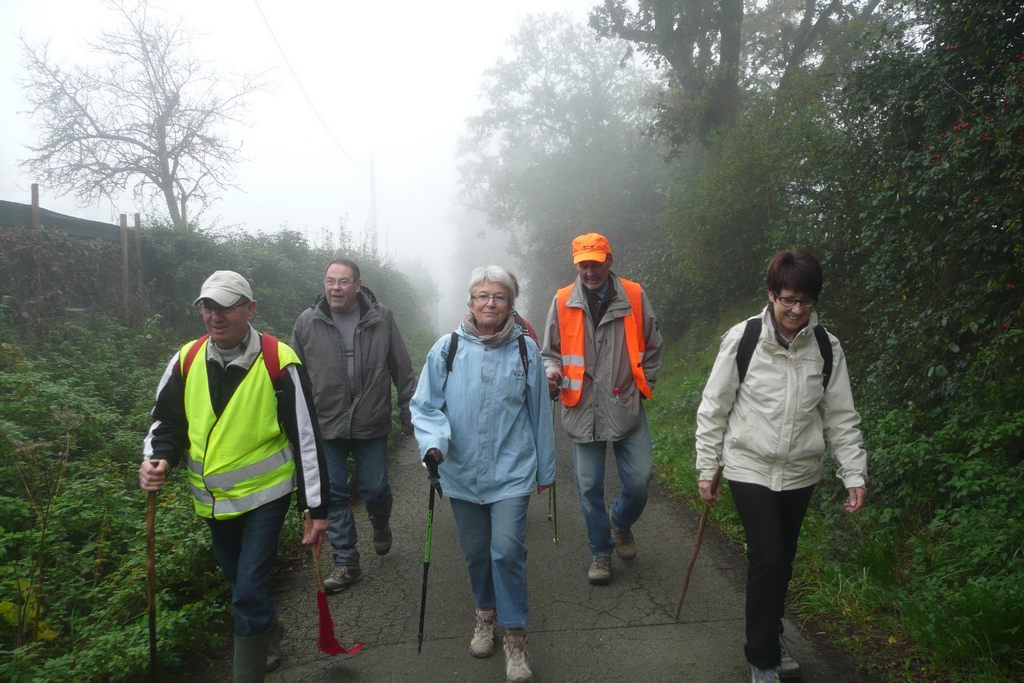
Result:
{"points": [[492, 422]]}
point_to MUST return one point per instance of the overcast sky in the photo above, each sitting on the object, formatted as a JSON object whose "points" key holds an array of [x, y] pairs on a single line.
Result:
{"points": [[393, 79]]}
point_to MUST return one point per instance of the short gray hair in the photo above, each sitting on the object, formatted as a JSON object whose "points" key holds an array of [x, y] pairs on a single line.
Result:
{"points": [[495, 274]]}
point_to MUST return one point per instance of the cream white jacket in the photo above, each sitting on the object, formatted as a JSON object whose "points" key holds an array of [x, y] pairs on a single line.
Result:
{"points": [[775, 429]]}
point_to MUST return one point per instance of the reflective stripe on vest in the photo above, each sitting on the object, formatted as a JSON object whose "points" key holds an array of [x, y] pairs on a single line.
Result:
{"points": [[571, 330], [242, 459]]}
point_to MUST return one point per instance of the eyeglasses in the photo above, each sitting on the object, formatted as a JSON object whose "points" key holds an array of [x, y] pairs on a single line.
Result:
{"points": [[498, 299], [791, 301], [343, 282], [209, 309]]}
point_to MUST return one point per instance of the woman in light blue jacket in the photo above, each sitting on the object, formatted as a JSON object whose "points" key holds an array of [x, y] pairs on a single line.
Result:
{"points": [[485, 417]]}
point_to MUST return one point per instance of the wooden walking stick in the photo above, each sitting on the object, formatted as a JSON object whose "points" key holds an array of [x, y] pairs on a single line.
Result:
{"points": [[151, 580], [716, 481]]}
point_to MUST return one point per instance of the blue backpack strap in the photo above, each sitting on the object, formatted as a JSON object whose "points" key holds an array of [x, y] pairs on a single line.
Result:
{"points": [[751, 333]]}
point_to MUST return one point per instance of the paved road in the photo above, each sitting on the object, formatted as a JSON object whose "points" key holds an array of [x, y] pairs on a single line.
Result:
{"points": [[622, 632]]}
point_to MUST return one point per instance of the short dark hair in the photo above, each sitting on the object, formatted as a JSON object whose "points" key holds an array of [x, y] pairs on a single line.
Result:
{"points": [[798, 271], [348, 263]]}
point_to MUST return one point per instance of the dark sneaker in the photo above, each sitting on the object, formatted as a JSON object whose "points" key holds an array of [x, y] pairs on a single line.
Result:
{"points": [[382, 539], [600, 572], [625, 544], [788, 667], [342, 577]]}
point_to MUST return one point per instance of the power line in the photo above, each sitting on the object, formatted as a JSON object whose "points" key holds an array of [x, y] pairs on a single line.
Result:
{"points": [[302, 89]]}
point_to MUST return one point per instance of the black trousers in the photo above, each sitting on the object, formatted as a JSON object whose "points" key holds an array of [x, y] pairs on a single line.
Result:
{"points": [[771, 520]]}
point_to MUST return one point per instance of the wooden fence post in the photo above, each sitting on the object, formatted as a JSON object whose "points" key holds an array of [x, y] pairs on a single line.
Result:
{"points": [[138, 252], [34, 213], [125, 287]]}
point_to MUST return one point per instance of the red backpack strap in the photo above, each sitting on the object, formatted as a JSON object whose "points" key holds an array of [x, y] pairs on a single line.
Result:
{"points": [[191, 355], [270, 356]]}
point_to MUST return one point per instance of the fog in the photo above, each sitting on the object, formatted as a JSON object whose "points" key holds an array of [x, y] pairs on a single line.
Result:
{"points": [[393, 82]]}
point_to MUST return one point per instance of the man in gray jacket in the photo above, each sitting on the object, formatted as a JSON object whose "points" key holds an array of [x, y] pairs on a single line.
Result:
{"points": [[353, 352], [602, 351]]}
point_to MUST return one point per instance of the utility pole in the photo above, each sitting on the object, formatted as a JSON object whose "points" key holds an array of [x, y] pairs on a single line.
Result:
{"points": [[371, 238]]}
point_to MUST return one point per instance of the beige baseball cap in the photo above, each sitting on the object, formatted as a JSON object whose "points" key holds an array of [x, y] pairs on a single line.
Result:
{"points": [[225, 287]]}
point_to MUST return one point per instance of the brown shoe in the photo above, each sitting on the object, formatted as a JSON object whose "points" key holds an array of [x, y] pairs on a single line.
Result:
{"points": [[600, 572], [625, 544], [342, 577]]}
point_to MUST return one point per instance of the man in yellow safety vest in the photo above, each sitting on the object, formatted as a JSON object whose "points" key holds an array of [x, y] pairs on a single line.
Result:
{"points": [[235, 407]]}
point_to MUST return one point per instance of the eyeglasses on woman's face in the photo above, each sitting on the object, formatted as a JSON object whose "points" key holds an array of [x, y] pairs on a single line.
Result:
{"points": [[792, 301], [483, 298]]}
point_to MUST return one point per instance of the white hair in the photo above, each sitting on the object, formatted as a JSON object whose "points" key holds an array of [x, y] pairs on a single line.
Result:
{"points": [[495, 274]]}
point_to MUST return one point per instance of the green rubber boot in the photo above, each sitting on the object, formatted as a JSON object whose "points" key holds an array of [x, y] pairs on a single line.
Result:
{"points": [[250, 659], [274, 657]]}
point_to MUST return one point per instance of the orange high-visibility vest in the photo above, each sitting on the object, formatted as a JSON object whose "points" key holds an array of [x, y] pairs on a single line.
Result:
{"points": [[571, 328]]}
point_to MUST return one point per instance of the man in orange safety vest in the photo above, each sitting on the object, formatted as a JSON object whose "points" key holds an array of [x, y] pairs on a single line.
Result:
{"points": [[602, 350]]}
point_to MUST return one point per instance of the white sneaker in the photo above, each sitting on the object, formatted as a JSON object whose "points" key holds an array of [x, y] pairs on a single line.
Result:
{"points": [[482, 644], [788, 667], [763, 675], [516, 668]]}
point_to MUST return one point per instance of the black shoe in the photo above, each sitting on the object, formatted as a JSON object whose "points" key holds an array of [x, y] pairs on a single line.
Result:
{"points": [[382, 539]]}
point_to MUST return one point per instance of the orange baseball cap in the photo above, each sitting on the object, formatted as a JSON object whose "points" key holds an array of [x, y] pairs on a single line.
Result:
{"points": [[591, 247]]}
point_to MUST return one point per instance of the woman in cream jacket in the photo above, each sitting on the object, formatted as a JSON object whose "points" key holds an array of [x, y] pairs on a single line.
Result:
{"points": [[771, 432]]}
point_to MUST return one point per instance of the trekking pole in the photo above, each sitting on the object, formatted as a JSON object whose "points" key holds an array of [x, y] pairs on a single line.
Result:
{"points": [[151, 580], [553, 495], [715, 483], [435, 485], [554, 511]]}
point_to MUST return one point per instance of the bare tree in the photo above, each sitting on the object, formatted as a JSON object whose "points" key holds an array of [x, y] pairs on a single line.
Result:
{"points": [[150, 119]]}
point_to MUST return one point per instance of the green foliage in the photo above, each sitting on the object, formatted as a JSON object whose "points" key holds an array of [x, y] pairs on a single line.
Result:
{"points": [[75, 392]]}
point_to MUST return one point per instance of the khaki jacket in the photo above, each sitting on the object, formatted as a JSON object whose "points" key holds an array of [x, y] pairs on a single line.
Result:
{"points": [[602, 413], [776, 428]]}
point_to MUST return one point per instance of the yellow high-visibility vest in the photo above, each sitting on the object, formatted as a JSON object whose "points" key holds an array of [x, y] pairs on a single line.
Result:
{"points": [[242, 459]]}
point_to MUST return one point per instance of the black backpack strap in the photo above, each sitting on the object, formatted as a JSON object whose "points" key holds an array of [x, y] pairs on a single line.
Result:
{"points": [[825, 346], [522, 353], [453, 345], [751, 333]]}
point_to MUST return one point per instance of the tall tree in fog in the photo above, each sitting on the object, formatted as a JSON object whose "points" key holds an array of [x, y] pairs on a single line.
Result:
{"points": [[713, 53], [559, 148], [150, 118]]}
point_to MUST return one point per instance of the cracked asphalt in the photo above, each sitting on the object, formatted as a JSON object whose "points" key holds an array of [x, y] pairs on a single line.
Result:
{"points": [[625, 631]]}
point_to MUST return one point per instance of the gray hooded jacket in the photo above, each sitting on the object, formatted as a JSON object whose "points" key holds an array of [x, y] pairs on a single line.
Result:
{"points": [[363, 411]]}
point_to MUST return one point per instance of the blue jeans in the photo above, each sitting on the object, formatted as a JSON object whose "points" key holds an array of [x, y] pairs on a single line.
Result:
{"points": [[633, 459], [246, 548], [493, 541], [371, 460]]}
